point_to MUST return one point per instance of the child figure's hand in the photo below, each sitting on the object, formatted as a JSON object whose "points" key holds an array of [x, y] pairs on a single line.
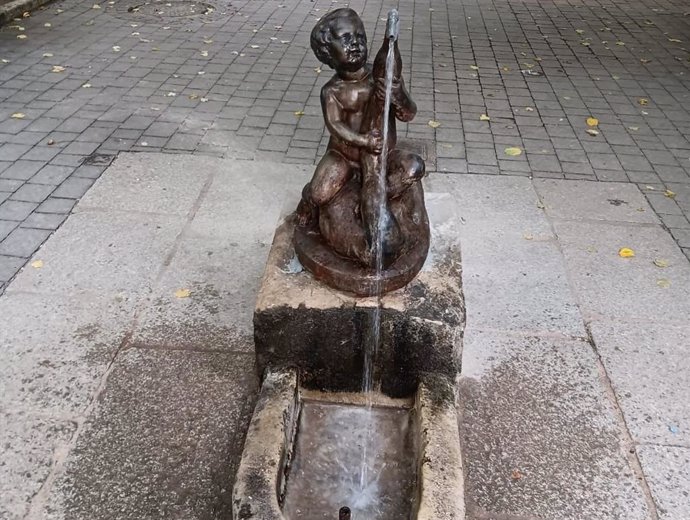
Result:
{"points": [[374, 142]]}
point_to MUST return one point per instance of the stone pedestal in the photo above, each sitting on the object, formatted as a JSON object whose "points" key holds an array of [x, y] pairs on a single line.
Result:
{"points": [[301, 323]]}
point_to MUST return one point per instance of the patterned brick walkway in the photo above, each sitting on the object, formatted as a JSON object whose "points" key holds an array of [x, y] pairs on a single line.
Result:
{"points": [[235, 81]]}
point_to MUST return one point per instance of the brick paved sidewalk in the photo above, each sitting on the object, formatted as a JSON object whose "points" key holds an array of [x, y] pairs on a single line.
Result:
{"points": [[230, 82]]}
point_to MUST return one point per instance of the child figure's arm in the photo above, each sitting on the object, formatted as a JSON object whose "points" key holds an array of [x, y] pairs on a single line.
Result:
{"points": [[333, 116]]}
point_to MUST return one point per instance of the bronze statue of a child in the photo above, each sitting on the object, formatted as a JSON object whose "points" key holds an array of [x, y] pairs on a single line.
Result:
{"points": [[336, 197]]}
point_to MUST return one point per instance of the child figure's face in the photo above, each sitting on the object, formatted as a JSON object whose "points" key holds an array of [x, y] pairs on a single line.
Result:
{"points": [[348, 44]]}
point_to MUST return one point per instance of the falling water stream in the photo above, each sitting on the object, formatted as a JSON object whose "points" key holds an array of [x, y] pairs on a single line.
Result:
{"points": [[371, 344]]}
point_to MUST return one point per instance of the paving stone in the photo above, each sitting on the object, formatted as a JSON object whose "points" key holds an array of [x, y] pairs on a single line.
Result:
{"points": [[580, 200], [6, 226], [9, 266], [58, 347], [514, 276], [540, 439], [645, 361], [33, 192], [609, 286], [44, 220], [73, 188], [159, 183], [28, 444], [16, 210], [22, 170], [23, 242], [667, 470], [172, 454], [52, 174], [55, 205], [130, 247]]}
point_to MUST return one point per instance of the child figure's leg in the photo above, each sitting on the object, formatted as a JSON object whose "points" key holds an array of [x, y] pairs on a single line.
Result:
{"points": [[331, 174]]}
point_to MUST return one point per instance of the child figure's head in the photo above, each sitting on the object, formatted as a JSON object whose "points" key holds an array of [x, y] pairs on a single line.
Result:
{"points": [[339, 40]]}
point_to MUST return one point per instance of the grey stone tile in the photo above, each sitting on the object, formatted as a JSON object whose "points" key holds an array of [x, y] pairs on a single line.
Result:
{"points": [[57, 348], [6, 226], [514, 276], [540, 439], [23, 242], [52, 174], [645, 362], [160, 183], [44, 220], [16, 210], [33, 192], [9, 265], [22, 170], [580, 200], [73, 188], [55, 205], [609, 286], [125, 252], [28, 445], [666, 469], [173, 453]]}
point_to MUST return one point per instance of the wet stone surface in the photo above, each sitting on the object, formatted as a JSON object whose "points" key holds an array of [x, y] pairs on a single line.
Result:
{"points": [[346, 455]]}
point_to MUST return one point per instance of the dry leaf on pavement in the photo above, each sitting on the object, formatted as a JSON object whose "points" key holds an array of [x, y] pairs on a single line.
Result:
{"points": [[513, 151], [626, 252], [182, 293]]}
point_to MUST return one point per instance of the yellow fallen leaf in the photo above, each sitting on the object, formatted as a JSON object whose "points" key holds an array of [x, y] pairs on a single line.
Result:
{"points": [[644, 61], [182, 293], [513, 151], [208, 42], [643, 101], [592, 121], [95, 6], [37, 264], [116, 48], [299, 113], [670, 194], [484, 117], [18, 115], [254, 46], [592, 131], [21, 36], [474, 67], [47, 54], [204, 53], [433, 124], [529, 109], [193, 96], [86, 85], [528, 236], [675, 40], [57, 68], [620, 44], [663, 283], [47, 24], [634, 128], [626, 252], [579, 31], [585, 44], [660, 262]]}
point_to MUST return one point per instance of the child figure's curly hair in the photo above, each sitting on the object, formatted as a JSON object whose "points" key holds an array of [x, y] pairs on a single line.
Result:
{"points": [[323, 30]]}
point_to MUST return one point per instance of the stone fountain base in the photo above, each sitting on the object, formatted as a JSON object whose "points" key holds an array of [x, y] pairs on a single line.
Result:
{"points": [[301, 323], [304, 445]]}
